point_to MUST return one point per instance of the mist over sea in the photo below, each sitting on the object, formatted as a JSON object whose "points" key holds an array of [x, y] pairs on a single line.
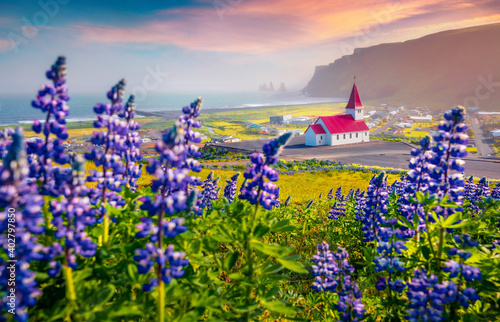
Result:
{"points": [[15, 109]]}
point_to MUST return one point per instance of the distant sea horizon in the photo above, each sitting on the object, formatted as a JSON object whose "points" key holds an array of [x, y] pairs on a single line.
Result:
{"points": [[17, 109]]}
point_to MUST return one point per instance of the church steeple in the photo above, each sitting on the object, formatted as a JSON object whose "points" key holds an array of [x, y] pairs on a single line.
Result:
{"points": [[354, 107]]}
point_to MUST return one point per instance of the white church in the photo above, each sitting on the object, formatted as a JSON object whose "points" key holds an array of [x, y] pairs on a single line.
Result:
{"points": [[340, 129]]}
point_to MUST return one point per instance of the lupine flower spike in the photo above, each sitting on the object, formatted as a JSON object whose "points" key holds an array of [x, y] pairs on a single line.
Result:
{"points": [[175, 193], [257, 190], [22, 205], [51, 99]]}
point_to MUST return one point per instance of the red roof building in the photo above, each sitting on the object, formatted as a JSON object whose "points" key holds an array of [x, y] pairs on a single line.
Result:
{"points": [[348, 128]]}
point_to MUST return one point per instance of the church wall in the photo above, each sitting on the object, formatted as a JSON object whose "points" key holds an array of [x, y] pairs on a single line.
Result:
{"points": [[313, 139], [328, 140], [363, 136]]}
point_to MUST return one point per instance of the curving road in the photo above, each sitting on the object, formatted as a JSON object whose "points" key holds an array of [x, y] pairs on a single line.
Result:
{"points": [[374, 153], [483, 148]]}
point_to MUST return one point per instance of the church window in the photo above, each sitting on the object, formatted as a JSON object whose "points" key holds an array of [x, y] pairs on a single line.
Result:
{"points": [[350, 136], [321, 138], [356, 135], [337, 137], [344, 136]]}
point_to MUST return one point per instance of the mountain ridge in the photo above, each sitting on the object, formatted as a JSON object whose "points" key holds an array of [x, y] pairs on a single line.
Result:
{"points": [[440, 70]]}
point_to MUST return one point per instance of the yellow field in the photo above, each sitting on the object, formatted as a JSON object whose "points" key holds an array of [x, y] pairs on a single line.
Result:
{"points": [[260, 116]]}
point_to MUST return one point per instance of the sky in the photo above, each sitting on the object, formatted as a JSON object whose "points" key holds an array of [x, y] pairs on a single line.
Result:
{"points": [[207, 45]]}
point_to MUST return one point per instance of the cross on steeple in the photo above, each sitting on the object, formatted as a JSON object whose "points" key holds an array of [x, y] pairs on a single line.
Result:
{"points": [[354, 78]]}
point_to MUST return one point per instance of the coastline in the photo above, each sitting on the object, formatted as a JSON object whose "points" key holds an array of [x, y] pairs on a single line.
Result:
{"points": [[171, 115]]}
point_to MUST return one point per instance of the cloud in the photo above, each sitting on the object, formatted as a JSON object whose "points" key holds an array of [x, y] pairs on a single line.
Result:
{"points": [[262, 26], [5, 45]]}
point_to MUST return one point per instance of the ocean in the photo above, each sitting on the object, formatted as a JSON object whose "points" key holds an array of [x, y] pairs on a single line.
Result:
{"points": [[15, 109]]}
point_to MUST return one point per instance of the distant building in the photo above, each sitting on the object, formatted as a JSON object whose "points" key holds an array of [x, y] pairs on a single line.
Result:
{"points": [[403, 125], [280, 119], [225, 139], [422, 119], [380, 115], [495, 133], [340, 129], [413, 112]]}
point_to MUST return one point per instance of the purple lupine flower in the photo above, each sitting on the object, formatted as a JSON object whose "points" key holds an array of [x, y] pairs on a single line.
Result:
{"points": [[350, 194], [495, 192], [338, 209], [482, 189], [425, 304], [209, 192], [131, 149], [469, 188], [231, 188], [359, 205], [72, 214], [257, 190], [338, 193], [175, 193], [106, 152], [51, 99], [170, 263], [330, 194], [375, 208], [287, 201], [21, 216], [332, 271], [5, 135], [451, 143]]}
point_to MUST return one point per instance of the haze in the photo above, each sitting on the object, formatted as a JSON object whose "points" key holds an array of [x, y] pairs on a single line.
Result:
{"points": [[221, 45]]}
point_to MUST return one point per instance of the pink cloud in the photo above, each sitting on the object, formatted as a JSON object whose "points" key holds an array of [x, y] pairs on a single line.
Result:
{"points": [[261, 26], [5, 45]]}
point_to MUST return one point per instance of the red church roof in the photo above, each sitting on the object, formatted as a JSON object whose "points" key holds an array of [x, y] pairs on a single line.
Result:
{"points": [[354, 100], [317, 128], [343, 123]]}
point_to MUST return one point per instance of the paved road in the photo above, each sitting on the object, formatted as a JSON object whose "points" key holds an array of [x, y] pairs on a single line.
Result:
{"points": [[390, 123], [483, 148], [374, 153]]}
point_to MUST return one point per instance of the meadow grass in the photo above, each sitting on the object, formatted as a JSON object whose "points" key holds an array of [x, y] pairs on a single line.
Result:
{"points": [[311, 183]]}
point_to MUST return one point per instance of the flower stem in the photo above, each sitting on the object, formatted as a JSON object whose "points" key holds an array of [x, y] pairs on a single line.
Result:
{"points": [[440, 250], [249, 258], [106, 229], [161, 301], [45, 211], [70, 287]]}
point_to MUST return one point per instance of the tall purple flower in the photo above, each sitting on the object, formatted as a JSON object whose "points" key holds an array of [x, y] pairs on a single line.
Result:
{"points": [[130, 152], [210, 192], [231, 188], [175, 193], [418, 179], [72, 214], [375, 209], [257, 190], [106, 153], [338, 208], [451, 143], [332, 271], [51, 99], [21, 219], [495, 192]]}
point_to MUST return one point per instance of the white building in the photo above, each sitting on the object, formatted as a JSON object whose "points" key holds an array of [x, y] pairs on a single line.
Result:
{"points": [[340, 129], [422, 119]]}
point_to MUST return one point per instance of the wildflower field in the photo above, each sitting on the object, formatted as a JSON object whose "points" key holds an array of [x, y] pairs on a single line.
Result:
{"points": [[110, 236]]}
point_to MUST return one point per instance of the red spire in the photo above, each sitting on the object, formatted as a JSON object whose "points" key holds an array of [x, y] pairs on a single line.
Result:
{"points": [[354, 100]]}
